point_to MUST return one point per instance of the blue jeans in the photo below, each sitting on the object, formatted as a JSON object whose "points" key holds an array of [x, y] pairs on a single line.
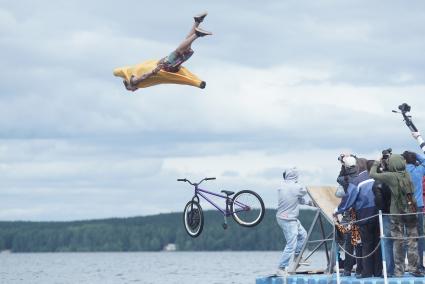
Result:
{"points": [[420, 241], [295, 236], [388, 244]]}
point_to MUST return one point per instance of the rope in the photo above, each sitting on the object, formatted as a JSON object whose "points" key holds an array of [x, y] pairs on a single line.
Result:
{"points": [[359, 220], [359, 257], [404, 238], [402, 214]]}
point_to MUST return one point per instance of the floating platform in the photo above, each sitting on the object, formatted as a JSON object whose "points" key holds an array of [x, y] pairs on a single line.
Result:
{"points": [[331, 279]]}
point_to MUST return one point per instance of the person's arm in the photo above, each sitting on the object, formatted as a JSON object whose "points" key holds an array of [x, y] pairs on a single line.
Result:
{"points": [[384, 177], [301, 193], [348, 200], [135, 81], [421, 159]]}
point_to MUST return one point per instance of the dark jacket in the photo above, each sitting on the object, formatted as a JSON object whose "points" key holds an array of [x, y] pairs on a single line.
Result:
{"points": [[360, 196], [382, 196], [397, 179]]}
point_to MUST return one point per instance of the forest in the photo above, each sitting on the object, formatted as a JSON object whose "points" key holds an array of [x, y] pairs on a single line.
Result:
{"points": [[146, 233]]}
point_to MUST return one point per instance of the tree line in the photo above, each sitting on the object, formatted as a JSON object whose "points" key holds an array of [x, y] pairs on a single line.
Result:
{"points": [[147, 233]]}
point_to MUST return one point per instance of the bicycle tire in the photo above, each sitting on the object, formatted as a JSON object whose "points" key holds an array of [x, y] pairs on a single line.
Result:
{"points": [[193, 219], [239, 213]]}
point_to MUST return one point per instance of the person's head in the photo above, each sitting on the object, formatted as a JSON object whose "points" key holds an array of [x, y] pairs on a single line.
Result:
{"points": [[396, 163], [291, 174], [369, 164], [410, 157], [349, 161]]}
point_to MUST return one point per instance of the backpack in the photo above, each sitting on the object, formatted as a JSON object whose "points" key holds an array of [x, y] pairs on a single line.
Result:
{"points": [[405, 201]]}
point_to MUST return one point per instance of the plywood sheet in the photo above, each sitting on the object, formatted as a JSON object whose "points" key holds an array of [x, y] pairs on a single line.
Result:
{"points": [[324, 198]]}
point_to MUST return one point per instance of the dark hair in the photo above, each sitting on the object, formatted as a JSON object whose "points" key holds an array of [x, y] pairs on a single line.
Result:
{"points": [[410, 157], [369, 164]]}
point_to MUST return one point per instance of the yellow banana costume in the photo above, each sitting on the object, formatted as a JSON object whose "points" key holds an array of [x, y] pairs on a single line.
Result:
{"points": [[183, 76]]}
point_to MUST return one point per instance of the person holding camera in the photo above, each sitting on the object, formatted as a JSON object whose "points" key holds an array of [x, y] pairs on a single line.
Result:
{"points": [[350, 168], [383, 202], [360, 197], [402, 203], [415, 166]]}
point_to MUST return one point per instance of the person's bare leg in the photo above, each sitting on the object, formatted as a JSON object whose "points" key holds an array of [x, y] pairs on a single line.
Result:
{"points": [[187, 43], [192, 30]]}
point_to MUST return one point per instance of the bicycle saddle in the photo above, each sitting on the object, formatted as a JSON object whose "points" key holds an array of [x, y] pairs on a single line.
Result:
{"points": [[228, 193]]}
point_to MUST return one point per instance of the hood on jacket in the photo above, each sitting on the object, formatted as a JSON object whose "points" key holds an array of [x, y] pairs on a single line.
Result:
{"points": [[396, 163], [291, 174]]}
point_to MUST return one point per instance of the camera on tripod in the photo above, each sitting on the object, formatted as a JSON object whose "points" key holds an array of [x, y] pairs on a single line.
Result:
{"points": [[404, 108]]}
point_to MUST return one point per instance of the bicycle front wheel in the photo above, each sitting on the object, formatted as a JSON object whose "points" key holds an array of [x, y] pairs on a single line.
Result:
{"points": [[193, 219], [247, 208]]}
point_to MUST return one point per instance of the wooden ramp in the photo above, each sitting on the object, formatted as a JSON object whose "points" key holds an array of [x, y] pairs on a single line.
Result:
{"points": [[325, 199]]}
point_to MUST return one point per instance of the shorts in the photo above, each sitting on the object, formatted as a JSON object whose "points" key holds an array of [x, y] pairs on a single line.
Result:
{"points": [[173, 61]]}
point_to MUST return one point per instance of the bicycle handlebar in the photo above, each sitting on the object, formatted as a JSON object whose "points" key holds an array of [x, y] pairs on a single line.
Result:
{"points": [[195, 184]]}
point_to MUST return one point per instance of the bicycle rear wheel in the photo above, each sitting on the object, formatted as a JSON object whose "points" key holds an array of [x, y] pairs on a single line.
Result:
{"points": [[193, 218], [247, 208]]}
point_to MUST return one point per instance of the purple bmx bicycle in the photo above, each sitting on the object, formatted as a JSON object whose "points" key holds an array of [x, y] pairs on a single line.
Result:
{"points": [[246, 208]]}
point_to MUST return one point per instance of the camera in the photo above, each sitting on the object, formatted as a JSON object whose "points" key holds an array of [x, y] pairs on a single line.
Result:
{"points": [[404, 108], [386, 153]]}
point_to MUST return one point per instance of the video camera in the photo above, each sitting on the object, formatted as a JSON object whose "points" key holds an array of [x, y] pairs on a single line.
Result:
{"points": [[404, 108], [386, 153]]}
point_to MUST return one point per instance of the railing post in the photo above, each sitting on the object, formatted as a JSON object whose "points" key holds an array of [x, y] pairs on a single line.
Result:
{"points": [[338, 280], [382, 237]]}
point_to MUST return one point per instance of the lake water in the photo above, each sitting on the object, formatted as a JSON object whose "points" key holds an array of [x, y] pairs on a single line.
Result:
{"points": [[139, 267]]}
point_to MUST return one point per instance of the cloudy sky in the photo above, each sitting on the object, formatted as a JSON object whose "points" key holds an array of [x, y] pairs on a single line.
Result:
{"points": [[288, 83]]}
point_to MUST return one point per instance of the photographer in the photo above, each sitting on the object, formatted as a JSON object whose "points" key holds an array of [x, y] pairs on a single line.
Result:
{"points": [[350, 167], [383, 202], [416, 168], [402, 201]]}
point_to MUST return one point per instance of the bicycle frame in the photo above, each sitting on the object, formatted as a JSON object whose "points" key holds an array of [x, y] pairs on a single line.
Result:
{"points": [[226, 212]]}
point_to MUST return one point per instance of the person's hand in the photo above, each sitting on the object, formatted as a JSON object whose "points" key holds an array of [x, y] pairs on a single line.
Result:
{"points": [[416, 134]]}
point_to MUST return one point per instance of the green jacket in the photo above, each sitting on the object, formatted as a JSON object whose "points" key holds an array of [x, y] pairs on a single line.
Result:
{"points": [[397, 179]]}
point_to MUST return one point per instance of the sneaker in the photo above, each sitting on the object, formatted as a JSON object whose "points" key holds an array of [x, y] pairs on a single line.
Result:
{"points": [[200, 17], [346, 273], [282, 271], [200, 32], [417, 273]]}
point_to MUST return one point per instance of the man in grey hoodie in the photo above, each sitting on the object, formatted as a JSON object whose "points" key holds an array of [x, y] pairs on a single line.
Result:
{"points": [[291, 195]]}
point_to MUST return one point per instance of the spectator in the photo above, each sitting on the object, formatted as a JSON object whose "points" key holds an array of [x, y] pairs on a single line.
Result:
{"points": [[398, 180], [350, 167], [290, 196], [416, 168], [360, 197], [383, 202]]}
